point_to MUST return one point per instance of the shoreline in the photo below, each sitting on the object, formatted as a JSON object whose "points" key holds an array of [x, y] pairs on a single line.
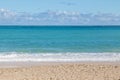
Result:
{"points": [[28, 64]]}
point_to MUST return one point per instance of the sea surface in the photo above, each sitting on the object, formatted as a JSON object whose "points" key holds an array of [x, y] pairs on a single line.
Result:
{"points": [[59, 43]]}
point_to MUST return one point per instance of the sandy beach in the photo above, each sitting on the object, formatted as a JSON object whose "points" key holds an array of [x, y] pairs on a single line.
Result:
{"points": [[61, 71]]}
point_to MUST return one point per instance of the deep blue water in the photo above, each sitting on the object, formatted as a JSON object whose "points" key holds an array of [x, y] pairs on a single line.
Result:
{"points": [[58, 39]]}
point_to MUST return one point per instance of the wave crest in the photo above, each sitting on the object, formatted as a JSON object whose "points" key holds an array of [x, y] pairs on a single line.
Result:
{"points": [[58, 57]]}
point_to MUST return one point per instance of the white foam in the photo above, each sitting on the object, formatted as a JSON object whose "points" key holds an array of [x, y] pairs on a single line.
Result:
{"points": [[58, 57]]}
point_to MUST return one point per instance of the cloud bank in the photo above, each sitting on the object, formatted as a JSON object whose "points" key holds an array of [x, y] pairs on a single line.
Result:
{"points": [[8, 17]]}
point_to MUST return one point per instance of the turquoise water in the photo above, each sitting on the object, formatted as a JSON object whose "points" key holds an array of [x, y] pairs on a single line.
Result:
{"points": [[64, 41]]}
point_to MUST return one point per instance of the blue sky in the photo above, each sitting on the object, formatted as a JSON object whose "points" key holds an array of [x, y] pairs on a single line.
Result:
{"points": [[111, 6], [49, 11]]}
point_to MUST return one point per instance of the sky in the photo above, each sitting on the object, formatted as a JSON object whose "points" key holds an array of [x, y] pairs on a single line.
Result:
{"points": [[60, 12]]}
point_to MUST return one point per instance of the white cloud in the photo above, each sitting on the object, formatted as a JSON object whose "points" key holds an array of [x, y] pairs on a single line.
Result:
{"points": [[58, 18]]}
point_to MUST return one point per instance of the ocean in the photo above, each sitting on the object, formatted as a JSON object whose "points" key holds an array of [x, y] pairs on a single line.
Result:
{"points": [[59, 43]]}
